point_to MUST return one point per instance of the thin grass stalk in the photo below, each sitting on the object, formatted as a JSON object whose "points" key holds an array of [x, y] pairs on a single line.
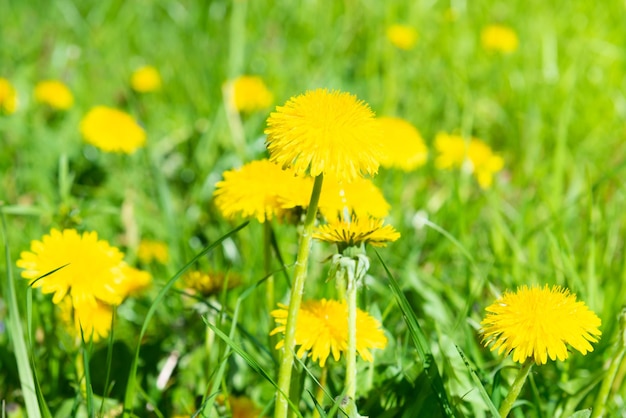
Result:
{"points": [[516, 388], [351, 295], [287, 352], [267, 261]]}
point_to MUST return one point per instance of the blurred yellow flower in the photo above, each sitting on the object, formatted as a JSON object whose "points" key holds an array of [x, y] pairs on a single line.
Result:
{"points": [[151, 250], [85, 268], [145, 79], [112, 130], [208, 284], [454, 151], [402, 36], [54, 94], [325, 132], [133, 280], [356, 231], [238, 407], [95, 320], [249, 94], [537, 323], [322, 329], [499, 38], [403, 147], [8, 97], [259, 189]]}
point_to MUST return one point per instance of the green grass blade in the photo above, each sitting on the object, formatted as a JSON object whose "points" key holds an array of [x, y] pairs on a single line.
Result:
{"points": [[479, 385]]}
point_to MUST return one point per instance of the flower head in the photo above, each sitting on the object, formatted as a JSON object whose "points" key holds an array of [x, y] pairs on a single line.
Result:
{"points": [[537, 323], [151, 250], [357, 231], [499, 38], [325, 132], [208, 284], [112, 130], [145, 79], [8, 97], [403, 147], [84, 267], [54, 94], [473, 154], [133, 280], [259, 189], [249, 94], [402, 36], [322, 329], [95, 320]]}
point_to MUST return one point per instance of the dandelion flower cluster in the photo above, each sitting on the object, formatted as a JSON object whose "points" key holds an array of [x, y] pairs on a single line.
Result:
{"points": [[325, 132], [146, 79], [8, 97], [538, 323], [357, 231], [152, 251], [112, 130], [250, 94], [322, 329], [402, 36], [54, 94], [404, 147], [457, 152], [499, 38]]}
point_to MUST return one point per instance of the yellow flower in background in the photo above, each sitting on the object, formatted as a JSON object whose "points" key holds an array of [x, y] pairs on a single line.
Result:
{"points": [[208, 284], [95, 320], [145, 79], [402, 36], [538, 323], [238, 407], [322, 329], [153, 251], [54, 94], [403, 147], [454, 151], [360, 197], [499, 38], [357, 231], [133, 280], [325, 132], [8, 97], [258, 190], [86, 268], [112, 130], [249, 94]]}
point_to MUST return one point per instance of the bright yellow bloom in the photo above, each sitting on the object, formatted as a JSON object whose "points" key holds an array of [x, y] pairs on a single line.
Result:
{"points": [[402, 36], [249, 94], [259, 189], [499, 38], [403, 146], [95, 320], [150, 250], [112, 130], [474, 155], [8, 97], [322, 329], [55, 94], [133, 280], [86, 268], [538, 322], [145, 79], [208, 284], [325, 132], [357, 231]]}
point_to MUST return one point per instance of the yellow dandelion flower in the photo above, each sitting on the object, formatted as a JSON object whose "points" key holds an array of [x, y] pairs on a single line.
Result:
{"points": [[249, 94], [86, 268], [54, 94], [259, 189], [133, 280], [322, 329], [8, 97], [208, 284], [325, 132], [112, 130], [454, 151], [146, 79], [537, 323], [357, 231], [95, 320], [403, 147], [499, 38], [151, 250], [361, 198], [402, 36]]}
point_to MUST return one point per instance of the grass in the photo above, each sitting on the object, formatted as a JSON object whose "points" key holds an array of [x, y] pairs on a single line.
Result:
{"points": [[555, 110]]}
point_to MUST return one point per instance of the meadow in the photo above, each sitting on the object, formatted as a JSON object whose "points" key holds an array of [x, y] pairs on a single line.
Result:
{"points": [[466, 259]]}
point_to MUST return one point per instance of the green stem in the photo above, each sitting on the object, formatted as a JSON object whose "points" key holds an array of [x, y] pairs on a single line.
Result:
{"points": [[287, 352], [516, 388], [267, 260], [351, 352]]}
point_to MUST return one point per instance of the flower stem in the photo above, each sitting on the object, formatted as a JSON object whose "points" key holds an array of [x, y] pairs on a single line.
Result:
{"points": [[351, 352], [287, 352], [516, 388], [267, 260]]}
